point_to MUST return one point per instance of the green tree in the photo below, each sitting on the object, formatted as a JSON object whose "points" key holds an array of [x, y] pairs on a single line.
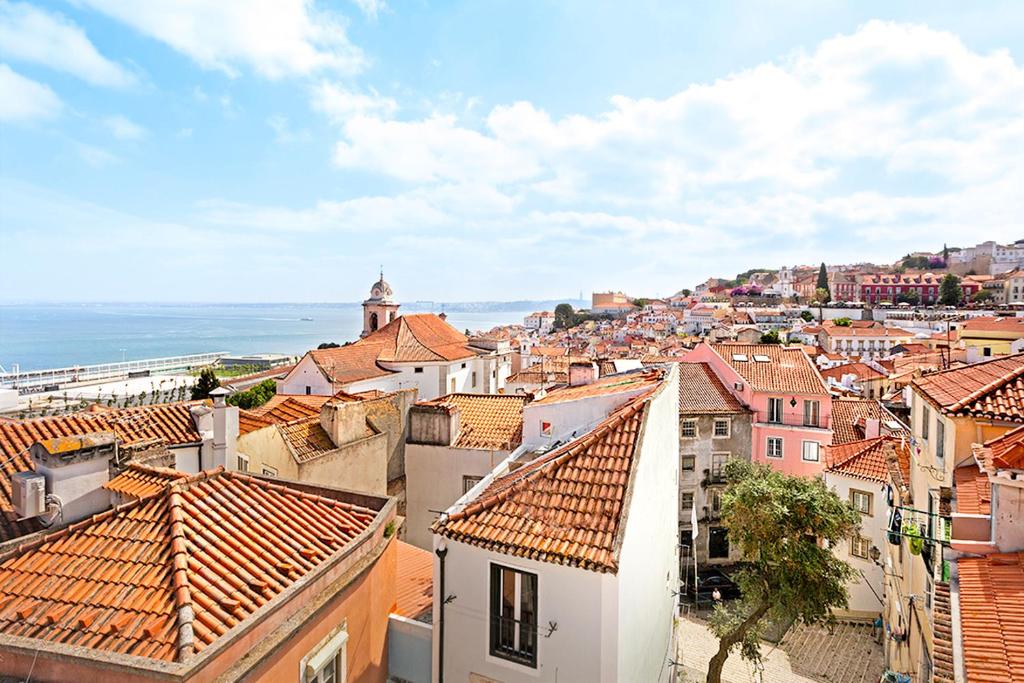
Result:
{"points": [[945, 253], [909, 297], [842, 322], [255, 396], [565, 316], [771, 337], [806, 316], [950, 293], [981, 296], [641, 302], [207, 382], [821, 297], [823, 283], [686, 292], [328, 345], [784, 526]]}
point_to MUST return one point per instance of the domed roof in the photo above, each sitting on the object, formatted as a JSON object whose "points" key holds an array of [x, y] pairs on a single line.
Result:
{"points": [[381, 290]]}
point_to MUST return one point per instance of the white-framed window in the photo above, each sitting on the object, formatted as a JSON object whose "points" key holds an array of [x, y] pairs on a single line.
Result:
{"points": [[860, 547], [688, 429], [687, 462], [686, 503], [925, 418], [774, 447], [940, 437], [718, 461], [328, 661], [722, 428], [269, 471], [242, 463], [811, 451], [513, 615], [861, 501], [474, 378], [775, 410], [453, 385], [812, 411], [469, 481]]}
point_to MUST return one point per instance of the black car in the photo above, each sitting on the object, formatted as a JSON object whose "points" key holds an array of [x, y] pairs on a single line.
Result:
{"points": [[709, 580]]}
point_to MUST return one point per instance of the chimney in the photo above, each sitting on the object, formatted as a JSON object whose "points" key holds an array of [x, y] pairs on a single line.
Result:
{"points": [[75, 469], [344, 421], [872, 428], [225, 430], [582, 373], [434, 424]]}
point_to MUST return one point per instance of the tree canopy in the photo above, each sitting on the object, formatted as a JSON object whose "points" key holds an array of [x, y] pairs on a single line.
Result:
{"points": [[771, 337], [785, 528], [565, 316], [823, 284], [328, 345], [806, 316], [253, 397], [982, 295], [950, 293], [206, 383], [909, 297]]}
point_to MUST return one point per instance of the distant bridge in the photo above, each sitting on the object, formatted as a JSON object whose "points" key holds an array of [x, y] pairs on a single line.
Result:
{"points": [[54, 379]]}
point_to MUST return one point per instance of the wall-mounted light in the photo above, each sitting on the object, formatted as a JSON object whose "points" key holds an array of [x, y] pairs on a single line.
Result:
{"points": [[792, 402]]}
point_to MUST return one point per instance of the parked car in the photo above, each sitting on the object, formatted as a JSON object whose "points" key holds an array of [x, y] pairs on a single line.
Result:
{"points": [[708, 580]]}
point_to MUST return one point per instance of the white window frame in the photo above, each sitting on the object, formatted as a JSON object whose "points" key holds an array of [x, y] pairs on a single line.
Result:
{"points": [[768, 447], [812, 412], [855, 495], [269, 471], [469, 481], [774, 401], [333, 648], [683, 457], [728, 428], [817, 451], [862, 542], [241, 462], [688, 422]]}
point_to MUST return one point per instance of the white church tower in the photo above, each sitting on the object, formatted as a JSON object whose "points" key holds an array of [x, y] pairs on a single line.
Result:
{"points": [[380, 308]]}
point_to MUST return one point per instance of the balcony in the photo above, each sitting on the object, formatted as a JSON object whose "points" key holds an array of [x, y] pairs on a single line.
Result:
{"points": [[765, 418], [971, 531], [713, 476]]}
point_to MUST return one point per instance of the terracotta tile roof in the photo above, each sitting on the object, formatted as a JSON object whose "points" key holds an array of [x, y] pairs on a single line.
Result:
{"points": [[612, 384], [993, 324], [489, 422], [942, 623], [787, 370], [853, 331], [992, 617], [170, 423], [139, 481], [870, 459], [422, 337], [991, 389], [290, 408], [198, 557], [566, 506], [849, 416], [861, 372], [249, 421], [549, 351], [1007, 450], [308, 440], [701, 392], [414, 582], [973, 490]]}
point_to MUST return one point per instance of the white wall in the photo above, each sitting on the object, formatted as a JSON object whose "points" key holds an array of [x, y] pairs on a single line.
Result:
{"points": [[306, 373], [1008, 514], [862, 600], [567, 417], [433, 481], [648, 560]]}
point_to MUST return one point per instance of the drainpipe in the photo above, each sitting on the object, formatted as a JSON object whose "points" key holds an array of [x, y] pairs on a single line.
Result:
{"points": [[441, 551]]}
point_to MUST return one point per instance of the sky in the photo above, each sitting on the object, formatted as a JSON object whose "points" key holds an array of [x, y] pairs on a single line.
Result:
{"points": [[285, 150]]}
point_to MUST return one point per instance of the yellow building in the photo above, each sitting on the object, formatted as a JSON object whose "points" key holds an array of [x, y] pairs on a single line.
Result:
{"points": [[992, 336]]}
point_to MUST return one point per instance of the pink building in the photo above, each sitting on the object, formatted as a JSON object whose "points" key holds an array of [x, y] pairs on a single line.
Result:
{"points": [[791, 405]]}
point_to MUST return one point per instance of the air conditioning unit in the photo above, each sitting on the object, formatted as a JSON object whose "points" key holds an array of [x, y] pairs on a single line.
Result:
{"points": [[28, 491], [738, 386]]}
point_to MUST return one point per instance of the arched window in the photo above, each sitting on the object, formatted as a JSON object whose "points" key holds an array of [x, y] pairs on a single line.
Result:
{"points": [[391, 316], [373, 322]]}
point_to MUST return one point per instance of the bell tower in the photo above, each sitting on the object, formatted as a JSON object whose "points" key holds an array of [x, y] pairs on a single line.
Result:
{"points": [[380, 309]]}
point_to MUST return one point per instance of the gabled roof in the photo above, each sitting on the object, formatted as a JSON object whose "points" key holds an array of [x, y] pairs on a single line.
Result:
{"points": [[1007, 450], [139, 481], [849, 416], [308, 439], [787, 370], [861, 371], [417, 338], [492, 422], [991, 389], [637, 380], [414, 582], [868, 459], [702, 393], [170, 423], [993, 324], [162, 577], [992, 617], [567, 506]]}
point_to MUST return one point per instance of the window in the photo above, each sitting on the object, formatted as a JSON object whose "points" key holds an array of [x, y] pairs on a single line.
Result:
{"points": [[686, 503], [417, 370], [242, 463], [514, 615], [463, 366], [718, 461], [269, 471], [687, 462], [860, 547], [474, 379], [722, 428], [811, 412], [716, 501], [811, 451], [940, 437], [468, 482], [309, 390], [327, 663], [775, 410], [453, 385], [862, 501], [545, 428], [774, 446], [718, 543], [924, 422], [688, 429]]}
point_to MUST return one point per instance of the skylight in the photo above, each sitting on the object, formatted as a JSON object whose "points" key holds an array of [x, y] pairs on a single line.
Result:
{"points": [[739, 357], [762, 359]]}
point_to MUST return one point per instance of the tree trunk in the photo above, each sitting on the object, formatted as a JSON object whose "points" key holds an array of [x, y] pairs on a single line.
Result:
{"points": [[727, 642]]}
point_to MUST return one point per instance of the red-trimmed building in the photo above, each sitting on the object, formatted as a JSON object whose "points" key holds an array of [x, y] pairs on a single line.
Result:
{"points": [[880, 287]]}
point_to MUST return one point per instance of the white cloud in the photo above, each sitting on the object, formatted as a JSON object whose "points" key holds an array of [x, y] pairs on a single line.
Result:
{"points": [[341, 104], [283, 131], [277, 38], [32, 35], [371, 8], [124, 128], [22, 99], [97, 157]]}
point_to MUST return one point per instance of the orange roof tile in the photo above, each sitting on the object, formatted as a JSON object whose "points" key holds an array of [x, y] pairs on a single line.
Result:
{"points": [[171, 423], [867, 459], [489, 422], [787, 370], [248, 421], [414, 579], [861, 371], [612, 384], [139, 481], [992, 389], [566, 506], [287, 408], [973, 490], [849, 415], [993, 324], [701, 392], [198, 557], [992, 617], [1007, 450]]}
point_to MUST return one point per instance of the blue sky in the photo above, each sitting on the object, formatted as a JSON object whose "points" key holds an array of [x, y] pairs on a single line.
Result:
{"points": [[281, 150]]}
